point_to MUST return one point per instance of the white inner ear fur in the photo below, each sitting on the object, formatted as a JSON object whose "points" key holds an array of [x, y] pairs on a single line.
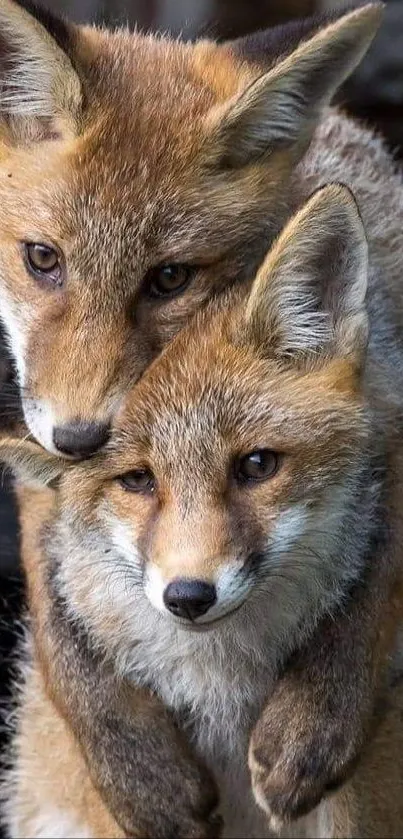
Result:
{"points": [[30, 462], [283, 105], [41, 81], [309, 294]]}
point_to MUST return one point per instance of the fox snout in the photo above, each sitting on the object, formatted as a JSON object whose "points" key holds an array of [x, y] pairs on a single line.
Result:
{"points": [[196, 600], [75, 438], [70, 398]]}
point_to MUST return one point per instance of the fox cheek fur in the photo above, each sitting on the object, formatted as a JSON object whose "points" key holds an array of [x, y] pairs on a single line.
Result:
{"points": [[194, 174]]}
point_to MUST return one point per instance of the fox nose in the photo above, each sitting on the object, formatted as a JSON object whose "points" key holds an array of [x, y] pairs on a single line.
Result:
{"points": [[80, 439], [189, 599]]}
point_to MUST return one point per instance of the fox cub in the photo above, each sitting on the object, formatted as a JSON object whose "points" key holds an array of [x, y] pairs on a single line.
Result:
{"points": [[247, 491], [139, 178]]}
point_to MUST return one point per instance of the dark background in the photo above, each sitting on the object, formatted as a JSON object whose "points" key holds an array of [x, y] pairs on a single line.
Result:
{"points": [[375, 94]]}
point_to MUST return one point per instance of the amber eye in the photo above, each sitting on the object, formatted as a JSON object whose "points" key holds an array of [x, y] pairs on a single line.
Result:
{"points": [[43, 262], [138, 480], [168, 280], [256, 466]]}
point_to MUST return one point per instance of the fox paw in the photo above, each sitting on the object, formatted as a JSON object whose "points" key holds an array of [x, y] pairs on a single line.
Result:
{"points": [[298, 754]]}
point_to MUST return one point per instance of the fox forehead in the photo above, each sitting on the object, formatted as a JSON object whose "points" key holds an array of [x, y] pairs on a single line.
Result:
{"points": [[208, 393], [152, 70], [128, 177]]}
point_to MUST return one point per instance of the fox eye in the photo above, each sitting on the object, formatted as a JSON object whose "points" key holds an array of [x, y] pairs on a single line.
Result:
{"points": [[168, 280], [43, 262], [138, 480], [256, 466]]}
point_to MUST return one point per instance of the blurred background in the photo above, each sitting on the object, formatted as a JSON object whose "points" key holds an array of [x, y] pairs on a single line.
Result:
{"points": [[374, 94]]}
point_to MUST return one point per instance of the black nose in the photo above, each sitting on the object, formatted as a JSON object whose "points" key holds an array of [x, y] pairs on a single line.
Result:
{"points": [[189, 598], [80, 439]]}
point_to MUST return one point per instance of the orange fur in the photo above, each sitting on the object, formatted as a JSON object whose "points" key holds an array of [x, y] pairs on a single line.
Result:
{"points": [[122, 163], [321, 536], [127, 175]]}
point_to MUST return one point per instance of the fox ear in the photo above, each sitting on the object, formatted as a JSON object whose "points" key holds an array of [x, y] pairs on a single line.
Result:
{"points": [[30, 462], [281, 108], [40, 92], [309, 295]]}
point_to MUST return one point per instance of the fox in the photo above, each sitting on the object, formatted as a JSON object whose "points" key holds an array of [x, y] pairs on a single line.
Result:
{"points": [[108, 246], [113, 243], [249, 488]]}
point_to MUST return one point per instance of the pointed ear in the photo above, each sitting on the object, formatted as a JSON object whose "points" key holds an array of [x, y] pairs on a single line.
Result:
{"points": [[30, 462], [281, 108], [40, 92], [309, 295]]}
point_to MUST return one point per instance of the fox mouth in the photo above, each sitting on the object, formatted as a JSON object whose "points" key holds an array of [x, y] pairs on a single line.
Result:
{"points": [[209, 625]]}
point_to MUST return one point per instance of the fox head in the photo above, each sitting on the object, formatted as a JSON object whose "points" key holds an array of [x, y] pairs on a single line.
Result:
{"points": [[139, 176], [237, 465]]}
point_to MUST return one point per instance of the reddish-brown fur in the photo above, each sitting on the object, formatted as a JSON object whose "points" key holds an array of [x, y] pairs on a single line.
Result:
{"points": [[224, 388], [132, 172], [120, 194]]}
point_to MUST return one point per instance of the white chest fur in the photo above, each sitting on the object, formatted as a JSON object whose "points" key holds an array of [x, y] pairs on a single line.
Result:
{"points": [[216, 686], [216, 683]]}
